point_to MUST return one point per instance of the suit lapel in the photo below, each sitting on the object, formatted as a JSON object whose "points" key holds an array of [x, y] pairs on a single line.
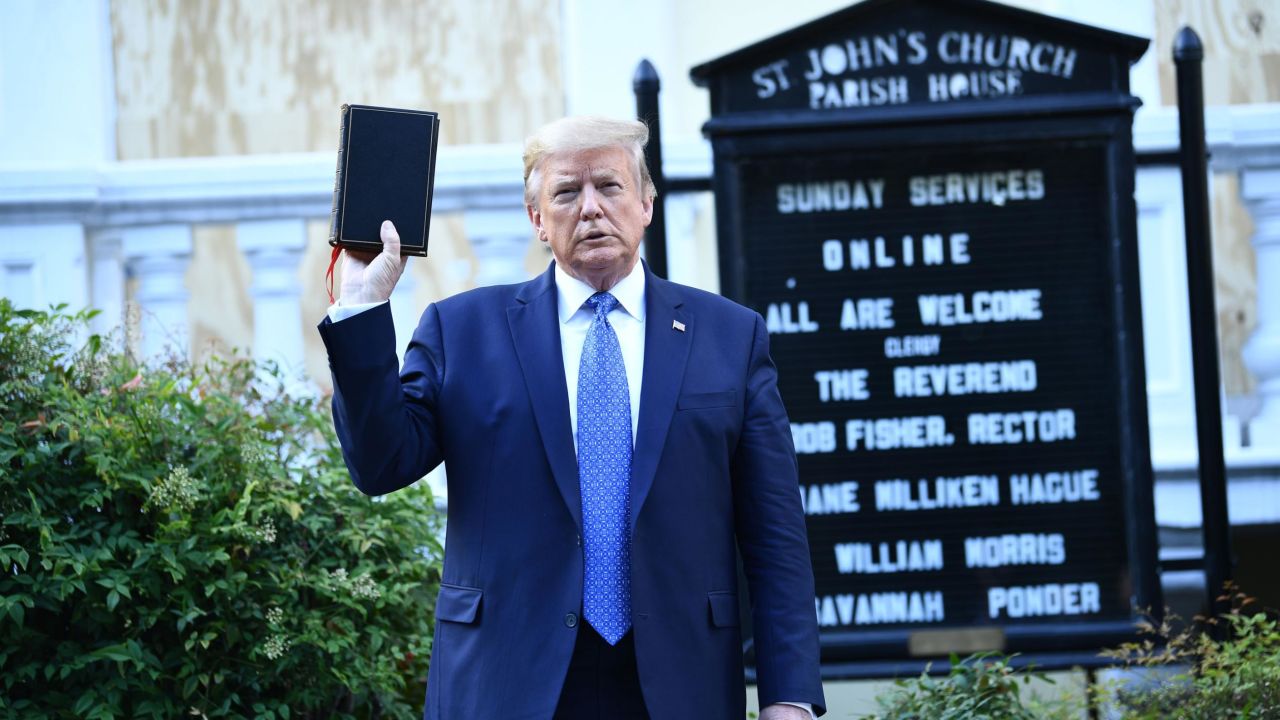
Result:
{"points": [[666, 351], [535, 329]]}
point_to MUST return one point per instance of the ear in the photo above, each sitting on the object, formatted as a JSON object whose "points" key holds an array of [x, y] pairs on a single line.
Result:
{"points": [[535, 219], [646, 204]]}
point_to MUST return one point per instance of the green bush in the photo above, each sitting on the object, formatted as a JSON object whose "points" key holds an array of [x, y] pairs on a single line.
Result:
{"points": [[983, 686], [184, 541], [1233, 664], [1232, 672]]}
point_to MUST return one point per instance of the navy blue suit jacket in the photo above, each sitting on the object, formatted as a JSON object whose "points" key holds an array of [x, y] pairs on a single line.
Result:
{"points": [[714, 469]]}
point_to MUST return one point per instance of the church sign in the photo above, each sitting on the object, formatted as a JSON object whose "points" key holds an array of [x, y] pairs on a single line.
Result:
{"points": [[931, 204]]}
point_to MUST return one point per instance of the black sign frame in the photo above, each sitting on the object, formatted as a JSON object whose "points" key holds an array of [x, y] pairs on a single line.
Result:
{"points": [[1098, 119]]}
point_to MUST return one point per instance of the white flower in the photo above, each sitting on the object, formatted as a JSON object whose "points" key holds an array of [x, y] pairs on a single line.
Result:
{"points": [[267, 532], [176, 490], [254, 453], [362, 587], [276, 646], [275, 615]]}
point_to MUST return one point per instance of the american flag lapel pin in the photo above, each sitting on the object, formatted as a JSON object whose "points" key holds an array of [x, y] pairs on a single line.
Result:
{"points": [[677, 325]]}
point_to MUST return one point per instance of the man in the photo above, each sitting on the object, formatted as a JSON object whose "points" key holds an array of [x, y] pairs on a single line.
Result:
{"points": [[609, 436]]}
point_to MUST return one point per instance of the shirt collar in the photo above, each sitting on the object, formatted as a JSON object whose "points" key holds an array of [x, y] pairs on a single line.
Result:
{"points": [[572, 293]]}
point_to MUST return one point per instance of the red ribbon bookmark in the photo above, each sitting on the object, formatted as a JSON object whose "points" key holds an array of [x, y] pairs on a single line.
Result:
{"points": [[328, 276]]}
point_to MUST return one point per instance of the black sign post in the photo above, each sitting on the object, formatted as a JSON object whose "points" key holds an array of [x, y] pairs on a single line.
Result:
{"points": [[1188, 54], [931, 203], [646, 85]]}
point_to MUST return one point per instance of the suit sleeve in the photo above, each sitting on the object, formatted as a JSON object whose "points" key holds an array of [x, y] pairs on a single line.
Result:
{"points": [[773, 541], [388, 424]]}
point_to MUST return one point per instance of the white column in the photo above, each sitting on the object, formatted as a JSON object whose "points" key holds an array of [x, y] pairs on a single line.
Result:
{"points": [[682, 246], [156, 257], [500, 240], [598, 67], [1260, 189], [1166, 326], [273, 249], [57, 111], [106, 280], [43, 265], [66, 117]]}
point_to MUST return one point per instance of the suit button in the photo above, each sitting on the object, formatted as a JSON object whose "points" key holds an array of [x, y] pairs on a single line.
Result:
{"points": [[571, 620], [579, 540]]}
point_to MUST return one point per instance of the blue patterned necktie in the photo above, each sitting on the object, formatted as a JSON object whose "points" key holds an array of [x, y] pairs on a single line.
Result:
{"points": [[604, 473]]}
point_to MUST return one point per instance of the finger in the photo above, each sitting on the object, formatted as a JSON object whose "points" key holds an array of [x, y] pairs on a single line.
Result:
{"points": [[390, 239], [363, 256]]}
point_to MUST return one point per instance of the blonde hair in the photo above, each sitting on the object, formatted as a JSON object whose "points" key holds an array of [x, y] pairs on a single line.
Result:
{"points": [[585, 132]]}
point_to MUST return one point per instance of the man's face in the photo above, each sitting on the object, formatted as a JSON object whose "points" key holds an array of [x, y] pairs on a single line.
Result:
{"points": [[592, 210]]}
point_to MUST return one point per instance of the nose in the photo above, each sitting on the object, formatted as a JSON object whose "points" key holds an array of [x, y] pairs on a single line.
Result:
{"points": [[590, 204]]}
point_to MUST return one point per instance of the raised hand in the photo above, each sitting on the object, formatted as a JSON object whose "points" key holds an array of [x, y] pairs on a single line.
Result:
{"points": [[370, 277]]}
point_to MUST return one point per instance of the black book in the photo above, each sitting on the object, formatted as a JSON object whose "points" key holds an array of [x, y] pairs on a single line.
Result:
{"points": [[386, 171]]}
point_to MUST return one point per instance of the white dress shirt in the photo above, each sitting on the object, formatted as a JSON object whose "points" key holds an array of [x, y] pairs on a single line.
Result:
{"points": [[627, 319]]}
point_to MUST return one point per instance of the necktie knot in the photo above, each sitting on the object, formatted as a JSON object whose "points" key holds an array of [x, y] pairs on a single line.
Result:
{"points": [[602, 303]]}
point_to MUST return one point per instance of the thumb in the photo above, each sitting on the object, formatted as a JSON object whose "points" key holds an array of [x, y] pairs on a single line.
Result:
{"points": [[390, 239]]}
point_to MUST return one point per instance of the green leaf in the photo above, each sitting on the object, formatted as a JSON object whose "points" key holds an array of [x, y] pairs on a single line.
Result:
{"points": [[101, 712], [84, 703], [112, 652]]}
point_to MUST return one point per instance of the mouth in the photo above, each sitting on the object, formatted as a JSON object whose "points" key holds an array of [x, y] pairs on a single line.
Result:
{"points": [[593, 235]]}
